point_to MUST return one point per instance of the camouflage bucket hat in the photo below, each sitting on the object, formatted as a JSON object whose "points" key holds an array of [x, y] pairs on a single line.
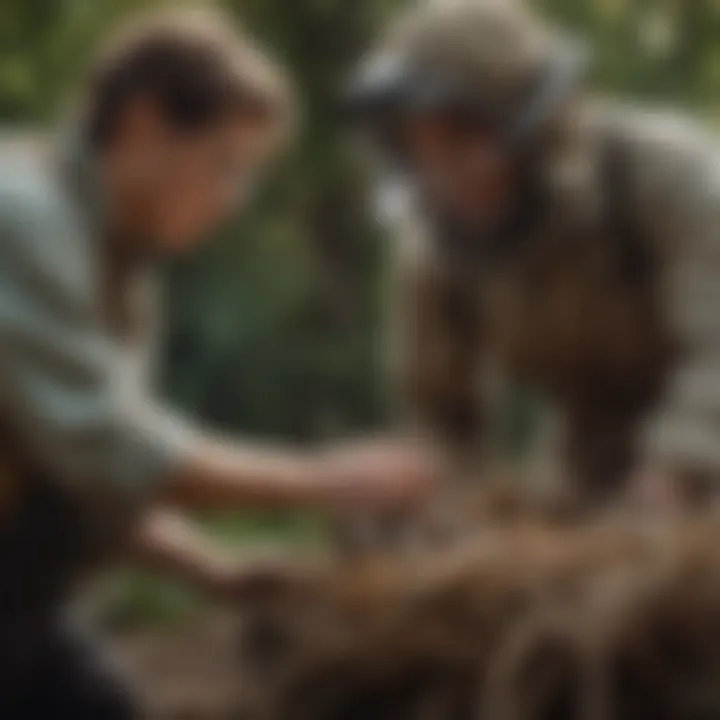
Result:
{"points": [[491, 57]]}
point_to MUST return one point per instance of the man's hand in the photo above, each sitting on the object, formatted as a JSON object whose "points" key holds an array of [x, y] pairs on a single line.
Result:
{"points": [[379, 476], [669, 491], [170, 544], [243, 579]]}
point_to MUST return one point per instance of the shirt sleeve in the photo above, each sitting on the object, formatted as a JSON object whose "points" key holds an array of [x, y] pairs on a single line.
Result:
{"points": [[685, 433], [61, 389]]}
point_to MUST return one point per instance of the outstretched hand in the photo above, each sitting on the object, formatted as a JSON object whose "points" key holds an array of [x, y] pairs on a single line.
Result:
{"points": [[378, 476], [259, 577]]}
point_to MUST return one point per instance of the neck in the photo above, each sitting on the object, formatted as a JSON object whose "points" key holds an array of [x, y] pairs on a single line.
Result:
{"points": [[496, 237], [127, 201]]}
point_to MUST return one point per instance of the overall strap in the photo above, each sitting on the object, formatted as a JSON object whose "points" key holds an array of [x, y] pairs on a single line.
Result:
{"points": [[635, 257]]}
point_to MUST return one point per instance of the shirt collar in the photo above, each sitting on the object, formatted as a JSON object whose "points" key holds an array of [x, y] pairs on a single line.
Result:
{"points": [[79, 166], [80, 171]]}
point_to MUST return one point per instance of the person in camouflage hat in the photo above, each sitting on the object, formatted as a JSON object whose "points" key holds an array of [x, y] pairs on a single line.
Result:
{"points": [[570, 239]]}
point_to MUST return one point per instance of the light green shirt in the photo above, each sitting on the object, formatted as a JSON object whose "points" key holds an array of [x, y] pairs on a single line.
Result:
{"points": [[71, 388]]}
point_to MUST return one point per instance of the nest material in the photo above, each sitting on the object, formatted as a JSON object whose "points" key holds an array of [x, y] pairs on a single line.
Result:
{"points": [[533, 616]]}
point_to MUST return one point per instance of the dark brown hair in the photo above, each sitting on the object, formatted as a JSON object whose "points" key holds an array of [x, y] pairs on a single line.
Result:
{"points": [[195, 63]]}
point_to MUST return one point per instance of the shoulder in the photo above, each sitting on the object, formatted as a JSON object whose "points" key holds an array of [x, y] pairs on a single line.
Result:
{"points": [[29, 189], [672, 164], [37, 213], [43, 239], [662, 143], [665, 150]]}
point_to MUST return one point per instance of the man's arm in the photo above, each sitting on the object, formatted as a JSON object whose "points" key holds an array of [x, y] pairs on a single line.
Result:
{"points": [[169, 544], [678, 169], [672, 174], [72, 415], [372, 476]]}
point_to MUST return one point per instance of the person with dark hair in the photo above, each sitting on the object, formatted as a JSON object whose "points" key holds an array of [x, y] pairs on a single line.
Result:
{"points": [[180, 117]]}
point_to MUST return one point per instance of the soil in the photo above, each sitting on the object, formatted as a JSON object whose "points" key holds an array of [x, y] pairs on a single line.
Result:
{"points": [[185, 674]]}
